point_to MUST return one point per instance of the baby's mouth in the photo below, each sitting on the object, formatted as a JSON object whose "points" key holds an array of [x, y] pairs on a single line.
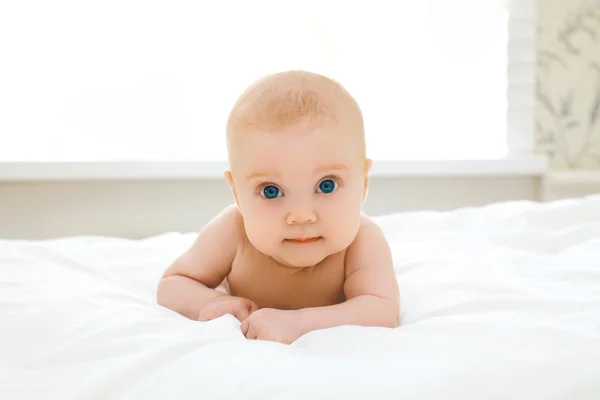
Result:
{"points": [[304, 240]]}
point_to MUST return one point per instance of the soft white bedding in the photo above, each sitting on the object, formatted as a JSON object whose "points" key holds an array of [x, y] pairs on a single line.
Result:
{"points": [[497, 302]]}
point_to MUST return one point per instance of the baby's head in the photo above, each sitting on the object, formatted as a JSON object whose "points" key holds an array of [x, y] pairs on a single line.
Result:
{"points": [[298, 168]]}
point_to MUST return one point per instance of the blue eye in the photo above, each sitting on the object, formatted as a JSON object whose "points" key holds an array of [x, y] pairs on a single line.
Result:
{"points": [[271, 192], [327, 186]]}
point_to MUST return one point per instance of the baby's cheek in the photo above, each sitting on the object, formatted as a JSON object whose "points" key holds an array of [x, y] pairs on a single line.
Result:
{"points": [[343, 220], [261, 233]]}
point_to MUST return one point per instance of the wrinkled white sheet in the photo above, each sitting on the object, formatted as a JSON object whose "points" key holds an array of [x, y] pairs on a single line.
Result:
{"points": [[497, 302]]}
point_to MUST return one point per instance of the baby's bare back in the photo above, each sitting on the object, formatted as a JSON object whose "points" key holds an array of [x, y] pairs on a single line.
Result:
{"points": [[269, 284]]}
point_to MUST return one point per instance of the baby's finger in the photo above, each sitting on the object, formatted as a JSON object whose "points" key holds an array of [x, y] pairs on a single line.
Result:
{"points": [[252, 332], [264, 334], [244, 326], [252, 307], [241, 313]]}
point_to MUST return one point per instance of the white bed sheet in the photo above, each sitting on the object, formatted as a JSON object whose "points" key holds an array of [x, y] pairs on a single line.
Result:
{"points": [[497, 302]]}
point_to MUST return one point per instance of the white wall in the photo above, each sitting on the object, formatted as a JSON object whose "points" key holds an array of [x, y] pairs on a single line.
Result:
{"points": [[30, 210]]}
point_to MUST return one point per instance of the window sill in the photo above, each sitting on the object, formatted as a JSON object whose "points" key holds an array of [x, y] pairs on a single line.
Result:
{"points": [[524, 165]]}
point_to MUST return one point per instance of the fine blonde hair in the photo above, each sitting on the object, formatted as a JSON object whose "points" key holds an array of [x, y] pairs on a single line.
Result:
{"points": [[289, 98]]}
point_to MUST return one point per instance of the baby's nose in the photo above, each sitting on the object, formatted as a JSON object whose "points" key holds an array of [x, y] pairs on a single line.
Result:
{"points": [[303, 217]]}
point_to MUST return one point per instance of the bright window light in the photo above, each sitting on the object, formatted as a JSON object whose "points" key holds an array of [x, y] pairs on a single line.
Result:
{"points": [[155, 80]]}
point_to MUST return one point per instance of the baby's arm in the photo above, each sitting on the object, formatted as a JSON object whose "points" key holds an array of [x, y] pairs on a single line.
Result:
{"points": [[188, 285], [371, 288]]}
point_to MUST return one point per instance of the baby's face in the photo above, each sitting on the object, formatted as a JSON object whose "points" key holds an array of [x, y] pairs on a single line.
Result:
{"points": [[300, 192]]}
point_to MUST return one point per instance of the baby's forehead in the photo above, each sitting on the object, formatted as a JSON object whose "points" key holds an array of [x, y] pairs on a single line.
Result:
{"points": [[294, 163], [330, 140], [308, 168]]}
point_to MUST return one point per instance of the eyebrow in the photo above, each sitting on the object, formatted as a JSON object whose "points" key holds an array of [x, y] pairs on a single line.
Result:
{"points": [[255, 175], [331, 167], [320, 169]]}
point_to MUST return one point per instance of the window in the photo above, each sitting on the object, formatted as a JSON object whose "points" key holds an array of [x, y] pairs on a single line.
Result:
{"points": [[155, 80]]}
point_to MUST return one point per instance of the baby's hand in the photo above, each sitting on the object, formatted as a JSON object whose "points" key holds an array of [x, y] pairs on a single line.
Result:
{"points": [[271, 324], [237, 306]]}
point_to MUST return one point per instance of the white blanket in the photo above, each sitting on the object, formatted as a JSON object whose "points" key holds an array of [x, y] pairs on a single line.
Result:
{"points": [[500, 302]]}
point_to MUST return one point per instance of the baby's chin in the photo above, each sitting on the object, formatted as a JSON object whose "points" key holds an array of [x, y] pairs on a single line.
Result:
{"points": [[305, 258], [300, 259], [301, 255]]}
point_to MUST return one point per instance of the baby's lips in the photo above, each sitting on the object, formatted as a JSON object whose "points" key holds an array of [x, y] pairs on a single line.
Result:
{"points": [[309, 239]]}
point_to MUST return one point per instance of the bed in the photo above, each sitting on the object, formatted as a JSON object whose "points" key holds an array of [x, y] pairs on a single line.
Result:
{"points": [[497, 302]]}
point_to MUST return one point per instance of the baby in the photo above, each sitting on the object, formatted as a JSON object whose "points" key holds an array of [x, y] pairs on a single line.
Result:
{"points": [[294, 253]]}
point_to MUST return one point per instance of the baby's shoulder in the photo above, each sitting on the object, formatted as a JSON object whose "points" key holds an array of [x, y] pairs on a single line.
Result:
{"points": [[368, 229], [369, 241], [231, 220], [232, 214]]}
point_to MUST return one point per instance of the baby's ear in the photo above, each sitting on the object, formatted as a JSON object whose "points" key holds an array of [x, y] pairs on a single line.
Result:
{"points": [[229, 178], [368, 165]]}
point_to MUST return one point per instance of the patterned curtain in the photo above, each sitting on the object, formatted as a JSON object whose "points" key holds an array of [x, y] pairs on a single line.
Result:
{"points": [[568, 84]]}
